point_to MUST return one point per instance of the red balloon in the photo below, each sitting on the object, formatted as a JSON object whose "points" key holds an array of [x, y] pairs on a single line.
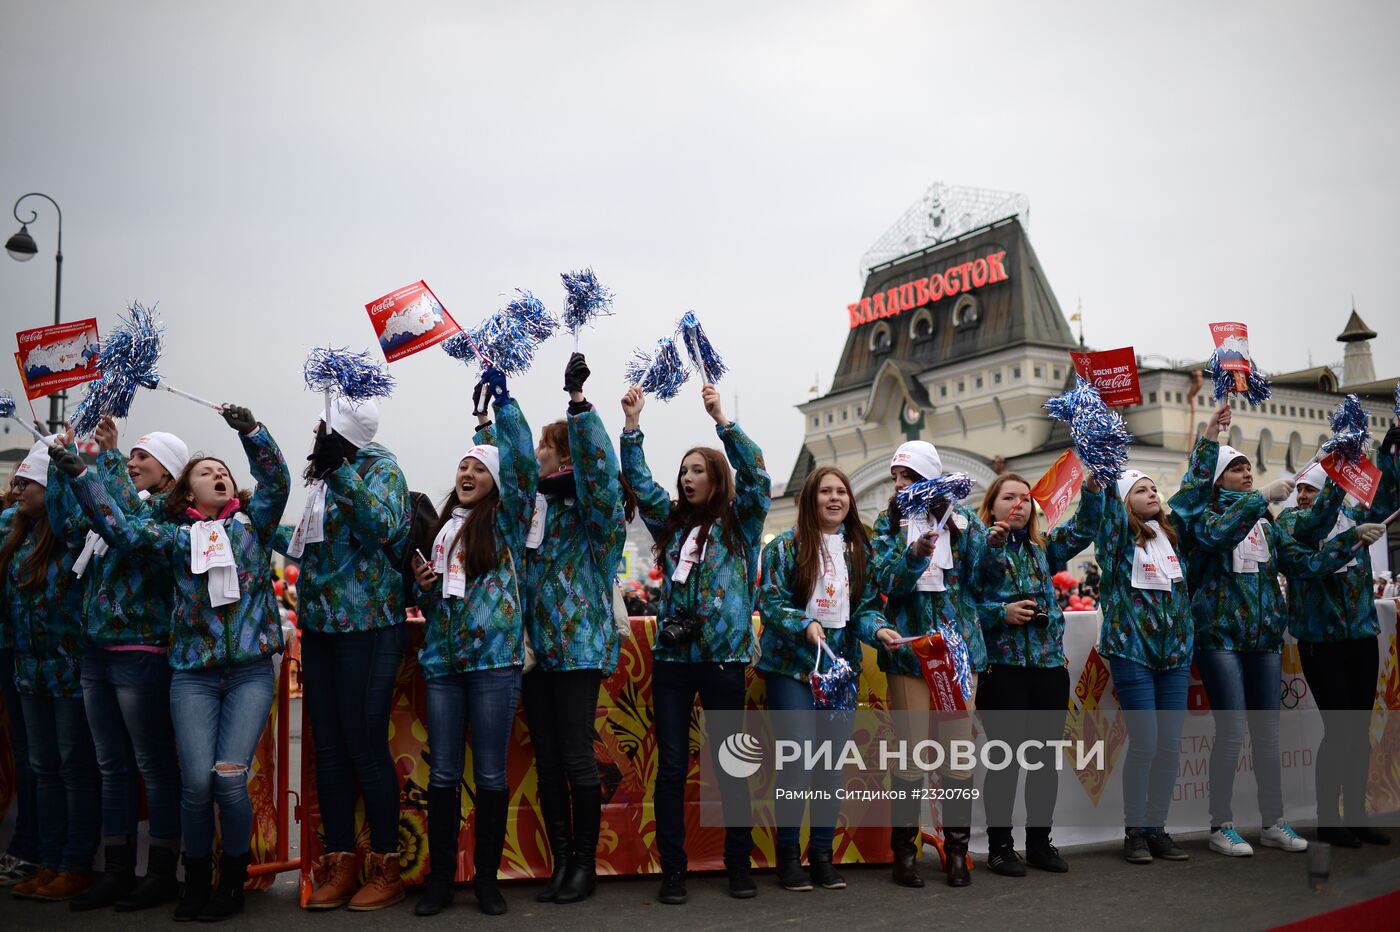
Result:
{"points": [[278, 587], [654, 573], [292, 572]]}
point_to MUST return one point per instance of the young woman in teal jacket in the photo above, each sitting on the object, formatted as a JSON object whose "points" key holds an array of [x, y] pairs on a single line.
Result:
{"points": [[708, 541], [474, 648], [216, 540]]}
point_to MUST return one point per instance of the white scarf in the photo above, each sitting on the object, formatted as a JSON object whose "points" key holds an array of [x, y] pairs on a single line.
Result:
{"points": [[311, 529], [1251, 551], [211, 555], [452, 568], [1156, 565], [95, 546], [1341, 526], [691, 554], [535, 536], [931, 580], [830, 604]]}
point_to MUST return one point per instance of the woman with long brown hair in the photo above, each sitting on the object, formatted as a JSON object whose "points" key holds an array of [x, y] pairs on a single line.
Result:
{"points": [[707, 544], [1024, 694], [816, 588]]}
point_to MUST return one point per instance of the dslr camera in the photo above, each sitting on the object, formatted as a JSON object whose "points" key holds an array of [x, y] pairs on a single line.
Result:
{"points": [[678, 631], [1041, 618]]}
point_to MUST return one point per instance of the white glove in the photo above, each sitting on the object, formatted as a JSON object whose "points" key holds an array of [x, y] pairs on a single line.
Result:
{"points": [[1368, 534], [1278, 490]]}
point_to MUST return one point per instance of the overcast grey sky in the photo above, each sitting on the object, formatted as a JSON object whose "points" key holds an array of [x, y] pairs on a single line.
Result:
{"points": [[265, 169]]}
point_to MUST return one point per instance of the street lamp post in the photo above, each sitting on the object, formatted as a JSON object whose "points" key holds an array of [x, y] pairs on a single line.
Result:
{"points": [[22, 248]]}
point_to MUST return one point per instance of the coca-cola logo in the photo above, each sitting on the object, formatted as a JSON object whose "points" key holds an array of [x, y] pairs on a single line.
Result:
{"points": [[1356, 475], [1123, 380], [383, 305]]}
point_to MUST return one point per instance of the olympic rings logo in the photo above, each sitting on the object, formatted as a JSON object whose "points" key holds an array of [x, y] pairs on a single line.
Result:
{"points": [[1293, 692]]}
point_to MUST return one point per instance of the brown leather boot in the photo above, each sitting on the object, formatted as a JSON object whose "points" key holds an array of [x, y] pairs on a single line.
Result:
{"points": [[382, 885], [336, 876], [64, 886], [25, 889]]}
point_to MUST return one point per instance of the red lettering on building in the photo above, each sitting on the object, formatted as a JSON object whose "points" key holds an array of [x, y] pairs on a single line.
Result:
{"points": [[906, 297], [965, 276], [979, 273]]}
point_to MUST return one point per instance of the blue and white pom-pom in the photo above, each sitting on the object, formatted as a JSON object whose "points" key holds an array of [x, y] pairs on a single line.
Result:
{"points": [[1349, 444], [1349, 415], [661, 374], [498, 342], [89, 412], [1098, 433], [702, 352], [532, 317], [355, 376], [957, 653], [1257, 388], [919, 497], [837, 687], [585, 299], [130, 358], [7, 404]]}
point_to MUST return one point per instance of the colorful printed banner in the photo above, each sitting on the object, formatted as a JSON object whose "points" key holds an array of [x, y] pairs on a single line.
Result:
{"points": [[58, 356], [1113, 372], [1057, 488], [409, 320], [1360, 480]]}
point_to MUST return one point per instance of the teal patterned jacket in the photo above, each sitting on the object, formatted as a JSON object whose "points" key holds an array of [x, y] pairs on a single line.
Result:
{"points": [[347, 582], [896, 571], [571, 574], [47, 621], [1030, 569], [485, 629], [1336, 606], [7, 628], [1147, 626], [202, 636], [127, 597], [785, 650], [721, 589], [1245, 611]]}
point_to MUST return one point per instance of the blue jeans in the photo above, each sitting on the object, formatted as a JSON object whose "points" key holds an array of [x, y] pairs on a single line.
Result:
{"points": [[24, 843], [70, 790], [805, 724], [349, 685], [674, 686], [485, 700], [127, 697], [1154, 738], [219, 715], [1243, 685]]}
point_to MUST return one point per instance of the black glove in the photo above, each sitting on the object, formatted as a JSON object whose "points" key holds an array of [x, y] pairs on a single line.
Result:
{"points": [[67, 461], [576, 373], [479, 406], [329, 451], [1390, 443], [240, 419]]}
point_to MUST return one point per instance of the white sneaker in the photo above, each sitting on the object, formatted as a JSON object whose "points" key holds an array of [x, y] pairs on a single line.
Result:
{"points": [[1227, 841], [1281, 835]]}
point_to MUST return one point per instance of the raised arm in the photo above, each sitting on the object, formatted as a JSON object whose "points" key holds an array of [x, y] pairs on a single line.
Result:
{"points": [[599, 488], [1295, 560], [753, 487], [274, 482], [123, 530], [1072, 536], [519, 474], [1222, 531], [1310, 526], [66, 517]]}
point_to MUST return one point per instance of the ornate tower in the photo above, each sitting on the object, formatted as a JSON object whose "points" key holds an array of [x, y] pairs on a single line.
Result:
{"points": [[1356, 365]]}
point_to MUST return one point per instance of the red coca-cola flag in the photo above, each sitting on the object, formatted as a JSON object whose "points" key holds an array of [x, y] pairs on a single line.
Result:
{"points": [[939, 673], [409, 320], [1360, 480], [1057, 488], [58, 356], [1232, 345], [1113, 372]]}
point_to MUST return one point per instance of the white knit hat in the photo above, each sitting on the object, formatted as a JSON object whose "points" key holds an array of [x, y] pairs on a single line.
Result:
{"points": [[1228, 455], [1127, 480], [488, 456], [35, 465], [167, 449], [919, 456], [1315, 477], [357, 422]]}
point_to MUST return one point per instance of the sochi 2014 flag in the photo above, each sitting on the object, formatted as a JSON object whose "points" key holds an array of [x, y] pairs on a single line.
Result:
{"points": [[409, 320], [1113, 372], [58, 356], [1056, 489], [1360, 480]]}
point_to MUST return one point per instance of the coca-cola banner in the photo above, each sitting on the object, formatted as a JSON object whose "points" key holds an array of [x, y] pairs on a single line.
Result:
{"points": [[409, 320], [1360, 480], [1057, 488], [58, 356], [1232, 339], [1113, 372]]}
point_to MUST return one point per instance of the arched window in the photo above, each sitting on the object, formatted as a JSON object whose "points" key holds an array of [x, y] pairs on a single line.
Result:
{"points": [[881, 339], [966, 313], [921, 326]]}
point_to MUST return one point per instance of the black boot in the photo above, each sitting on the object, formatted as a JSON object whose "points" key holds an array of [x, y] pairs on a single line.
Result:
{"points": [[904, 831], [227, 899], [492, 810], [444, 827], [116, 880], [791, 876], [823, 874], [957, 831], [583, 875], [554, 806], [199, 874], [158, 886]]}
